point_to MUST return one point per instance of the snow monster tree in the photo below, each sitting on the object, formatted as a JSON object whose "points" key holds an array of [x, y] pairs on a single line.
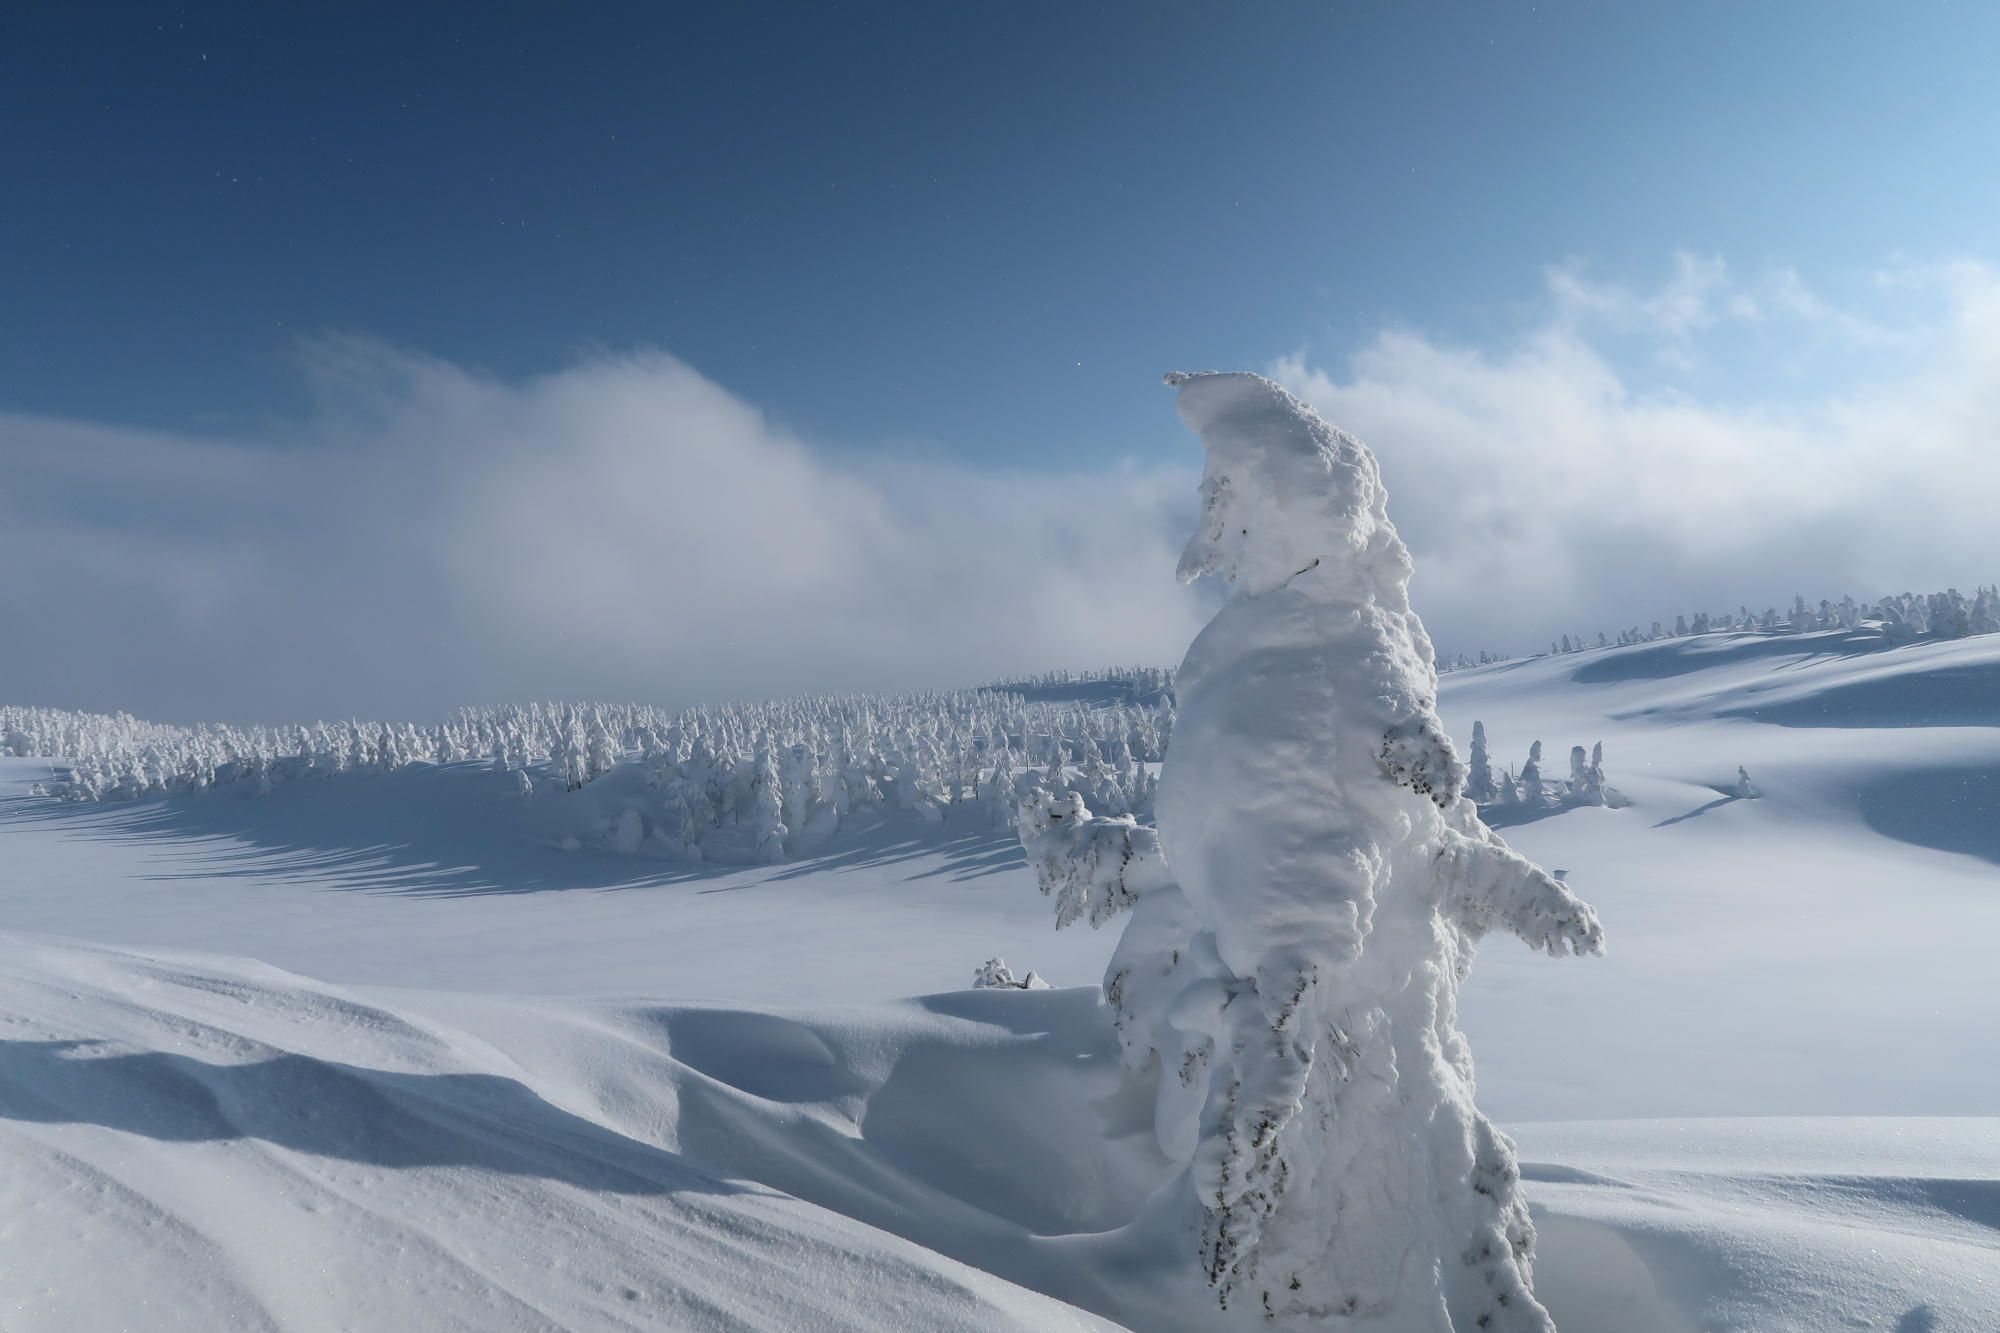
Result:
{"points": [[1308, 910]]}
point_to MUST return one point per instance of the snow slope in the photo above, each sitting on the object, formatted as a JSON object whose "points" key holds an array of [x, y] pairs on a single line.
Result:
{"points": [[524, 1088], [1825, 949]]}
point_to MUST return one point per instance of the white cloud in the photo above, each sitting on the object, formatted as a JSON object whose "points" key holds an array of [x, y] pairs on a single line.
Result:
{"points": [[1703, 301], [624, 528], [627, 529], [1540, 493], [1694, 298]]}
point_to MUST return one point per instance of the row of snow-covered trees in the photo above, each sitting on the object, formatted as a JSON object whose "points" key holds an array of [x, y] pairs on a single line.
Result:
{"points": [[1140, 682], [119, 757], [1584, 786], [1460, 662], [1903, 617], [773, 801], [748, 781]]}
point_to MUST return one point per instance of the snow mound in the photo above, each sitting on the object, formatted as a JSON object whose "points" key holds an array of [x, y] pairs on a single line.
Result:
{"points": [[194, 1142], [1777, 1225], [204, 1144]]}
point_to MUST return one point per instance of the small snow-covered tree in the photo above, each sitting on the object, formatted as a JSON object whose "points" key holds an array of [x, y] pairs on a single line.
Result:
{"points": [[1479, 783], [1985, 615], [1054, 777], [574, 757], [1580, 790], [1533, 793], [997, 792], [1605, 794], [1302, 921], [602, 747], [798, 785], [766, 804], [1586, 779]]}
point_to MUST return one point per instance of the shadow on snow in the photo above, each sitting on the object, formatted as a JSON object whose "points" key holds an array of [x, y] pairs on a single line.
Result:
{"points": [[461, 830], [1949, 809], [1723, 798], [1944, 696], [327, 1109], [1667, 658]]}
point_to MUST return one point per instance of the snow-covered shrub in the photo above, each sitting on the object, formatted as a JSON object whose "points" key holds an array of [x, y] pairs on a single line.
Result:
{"points": [[1303, 919], [1094, 867], [994, 974]]}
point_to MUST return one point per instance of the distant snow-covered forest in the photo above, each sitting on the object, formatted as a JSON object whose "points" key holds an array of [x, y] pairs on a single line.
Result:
{"points": [[734, 782], [765, 781], [1904, 617]]}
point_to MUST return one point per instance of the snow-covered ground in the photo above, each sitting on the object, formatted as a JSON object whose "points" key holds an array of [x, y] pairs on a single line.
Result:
{"points": [[500, 1085]]}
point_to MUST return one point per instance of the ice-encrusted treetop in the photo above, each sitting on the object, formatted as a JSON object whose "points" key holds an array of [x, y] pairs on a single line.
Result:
{"points": [[1285, 493]]}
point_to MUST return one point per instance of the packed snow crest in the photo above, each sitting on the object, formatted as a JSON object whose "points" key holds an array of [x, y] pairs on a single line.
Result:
{"points": [[1303, 920]]}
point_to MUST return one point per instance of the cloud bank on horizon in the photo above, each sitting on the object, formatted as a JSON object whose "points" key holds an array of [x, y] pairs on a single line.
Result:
{"points": [[1543, 491], [621, 529], [626, 528]]}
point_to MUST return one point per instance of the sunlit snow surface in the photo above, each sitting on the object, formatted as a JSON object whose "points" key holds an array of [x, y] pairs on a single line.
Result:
{"points": [[525, 1088]]}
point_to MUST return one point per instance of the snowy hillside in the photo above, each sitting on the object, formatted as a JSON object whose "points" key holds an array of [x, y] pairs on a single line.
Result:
{"points": [[476, 1080]]}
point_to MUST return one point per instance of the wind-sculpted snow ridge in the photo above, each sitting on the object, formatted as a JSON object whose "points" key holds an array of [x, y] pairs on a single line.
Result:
{"points": [[193, 1142], [1308, 909], [735, 782], [202, 1144]]}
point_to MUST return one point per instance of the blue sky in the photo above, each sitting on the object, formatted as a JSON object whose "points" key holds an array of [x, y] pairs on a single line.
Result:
{"points": [[945, 247], [866, 218]]}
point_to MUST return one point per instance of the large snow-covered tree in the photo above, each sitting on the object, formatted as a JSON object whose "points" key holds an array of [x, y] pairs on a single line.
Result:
{"points": [[1302, 925]]}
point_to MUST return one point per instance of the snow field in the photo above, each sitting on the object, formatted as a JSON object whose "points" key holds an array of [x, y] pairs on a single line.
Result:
{"points": [[453, 1127], [195, 1142]]}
